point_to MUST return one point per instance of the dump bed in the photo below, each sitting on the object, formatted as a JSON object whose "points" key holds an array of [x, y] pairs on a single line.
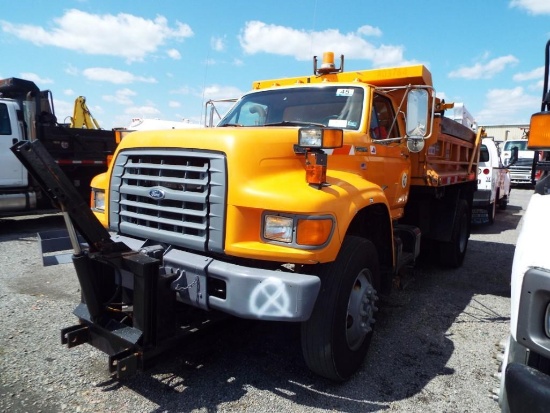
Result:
{"points": [[90, 145], [450, 155]]}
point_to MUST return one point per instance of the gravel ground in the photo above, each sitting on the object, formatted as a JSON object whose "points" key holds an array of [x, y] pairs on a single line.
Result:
{"points": [[432, 350]]}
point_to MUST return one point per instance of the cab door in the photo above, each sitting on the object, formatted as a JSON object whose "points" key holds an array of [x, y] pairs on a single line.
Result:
{"points": [[13, 173], [389, 163]]}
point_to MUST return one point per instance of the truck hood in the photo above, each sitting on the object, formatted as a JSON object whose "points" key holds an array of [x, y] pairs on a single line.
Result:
{"points": [[263, 168]]}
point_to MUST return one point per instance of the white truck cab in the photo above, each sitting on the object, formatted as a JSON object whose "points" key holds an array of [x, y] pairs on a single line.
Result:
{"points": [[493, 184], [14, 179], [520, 171]]}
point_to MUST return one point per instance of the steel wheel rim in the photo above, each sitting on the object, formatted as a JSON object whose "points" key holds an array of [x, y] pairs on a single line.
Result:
{"points": [[361, 310]]}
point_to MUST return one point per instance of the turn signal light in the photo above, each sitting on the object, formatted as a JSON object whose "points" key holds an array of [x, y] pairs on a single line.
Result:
{"points": [[313, 231]]}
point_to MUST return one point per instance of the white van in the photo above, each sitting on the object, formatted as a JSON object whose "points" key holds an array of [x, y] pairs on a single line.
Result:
{"points": [[493, 184]]}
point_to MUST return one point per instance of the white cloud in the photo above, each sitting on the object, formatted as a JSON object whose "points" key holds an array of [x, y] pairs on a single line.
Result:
{"points": [[71, 70], [184, 90], [484, 70], [258, 37], [63, 110], [221, 92], [532, 6], [174, 54], [35, 78], [535, 74], [217, 43], [68, 92], [121, 96], [125, 35], [369, 31], [142, 111], [174, 104], [115, 76], [507, 106]]}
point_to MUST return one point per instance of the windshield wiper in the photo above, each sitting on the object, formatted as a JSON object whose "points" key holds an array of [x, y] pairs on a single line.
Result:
{"points": [[294, 123], [229, 124]]}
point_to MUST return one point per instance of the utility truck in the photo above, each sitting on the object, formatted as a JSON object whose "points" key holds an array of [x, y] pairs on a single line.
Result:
{"points": [[304, 203], [27, 114], [525, 371], [493, 184]]}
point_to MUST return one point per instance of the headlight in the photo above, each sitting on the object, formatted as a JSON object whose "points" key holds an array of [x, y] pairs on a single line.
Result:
{"points": [[98, 200], [299, 231], [278, 228]]}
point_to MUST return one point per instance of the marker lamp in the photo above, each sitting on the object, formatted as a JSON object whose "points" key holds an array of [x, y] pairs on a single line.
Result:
{"points": [[320, 138]]}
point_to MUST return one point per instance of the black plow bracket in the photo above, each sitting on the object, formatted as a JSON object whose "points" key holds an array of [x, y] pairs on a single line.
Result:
{"points": [[127, 308]]}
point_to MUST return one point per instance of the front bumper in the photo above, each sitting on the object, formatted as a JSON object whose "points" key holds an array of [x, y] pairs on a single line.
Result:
{"points": [[527, 389], [242, 291], [482, 198]]}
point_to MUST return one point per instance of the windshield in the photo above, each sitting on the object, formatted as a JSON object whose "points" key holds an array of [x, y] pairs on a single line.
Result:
{"points": [[521, 145], [334, 106]]}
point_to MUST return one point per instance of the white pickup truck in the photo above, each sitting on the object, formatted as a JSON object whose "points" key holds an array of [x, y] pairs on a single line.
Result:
{"points": [[493, 184]]}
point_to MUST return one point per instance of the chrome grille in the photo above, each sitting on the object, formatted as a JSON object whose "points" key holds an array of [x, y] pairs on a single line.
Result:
{"points": [[171, 196]]}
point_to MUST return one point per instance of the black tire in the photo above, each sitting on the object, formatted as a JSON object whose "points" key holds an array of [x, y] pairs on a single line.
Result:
{"points": [[336, 338], [491, 212], [503, 203], [451, 254]]}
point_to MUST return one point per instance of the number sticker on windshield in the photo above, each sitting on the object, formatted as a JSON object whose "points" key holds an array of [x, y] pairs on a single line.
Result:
{"points": [[338, 123], [344, 92]]}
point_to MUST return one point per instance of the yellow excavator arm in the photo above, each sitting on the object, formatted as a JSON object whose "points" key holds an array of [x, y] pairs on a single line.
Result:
{"points": [[82, 117]]}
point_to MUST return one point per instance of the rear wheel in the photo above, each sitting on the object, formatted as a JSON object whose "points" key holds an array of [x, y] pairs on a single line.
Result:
{"points": [[503, 203], [336, 338], [451, 253], [491, 212]]}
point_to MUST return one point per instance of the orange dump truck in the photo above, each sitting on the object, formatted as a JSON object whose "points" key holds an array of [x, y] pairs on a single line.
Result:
{"points": [[303, 205]]}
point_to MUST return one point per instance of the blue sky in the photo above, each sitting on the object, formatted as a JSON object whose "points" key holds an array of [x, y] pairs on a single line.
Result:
{"points": [[164, 59]]}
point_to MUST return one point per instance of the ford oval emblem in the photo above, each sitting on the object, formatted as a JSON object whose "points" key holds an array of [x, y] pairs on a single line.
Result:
{"points": [[157, 194]]}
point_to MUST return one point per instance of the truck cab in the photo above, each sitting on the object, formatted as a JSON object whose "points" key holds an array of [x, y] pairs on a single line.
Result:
{"points": [[493, 184], [27, 114], [14, 175], [521, 170]]}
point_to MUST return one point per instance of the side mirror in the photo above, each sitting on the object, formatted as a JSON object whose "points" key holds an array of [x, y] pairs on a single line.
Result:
{"points": [[417, 113], [417, 119]]}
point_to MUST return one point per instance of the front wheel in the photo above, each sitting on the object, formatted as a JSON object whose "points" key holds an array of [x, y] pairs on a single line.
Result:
{"points": [[336, 338]]}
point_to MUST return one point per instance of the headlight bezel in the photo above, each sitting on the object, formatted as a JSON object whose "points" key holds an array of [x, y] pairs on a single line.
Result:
{"points": [[98, 200], [292, 223]]}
